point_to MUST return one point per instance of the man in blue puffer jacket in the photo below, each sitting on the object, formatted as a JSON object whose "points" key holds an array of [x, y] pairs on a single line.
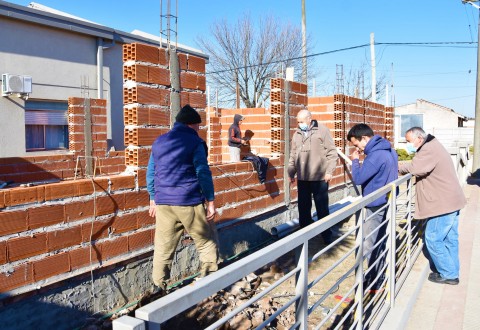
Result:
{"points": [[379, 168], [180, 185]]}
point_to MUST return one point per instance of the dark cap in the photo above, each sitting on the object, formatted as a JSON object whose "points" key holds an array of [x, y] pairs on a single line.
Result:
{"points": [[188, 116]]}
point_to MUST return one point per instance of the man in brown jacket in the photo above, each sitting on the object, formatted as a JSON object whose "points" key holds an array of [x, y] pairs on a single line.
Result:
{"points": [[439, 198], [313, 157]]}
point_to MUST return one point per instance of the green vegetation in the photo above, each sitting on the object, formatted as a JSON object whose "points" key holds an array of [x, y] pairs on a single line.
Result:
{"points": [[403, 155]]}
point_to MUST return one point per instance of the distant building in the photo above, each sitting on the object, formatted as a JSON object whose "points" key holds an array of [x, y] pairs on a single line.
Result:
{"points": [[435, 119], [47, 56]]}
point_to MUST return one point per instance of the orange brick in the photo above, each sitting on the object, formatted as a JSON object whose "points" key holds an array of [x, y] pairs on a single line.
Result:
{"points": [[139, 240], [84, 256], [113, 248], [45, 216], [110, 204], [162, 56], [78, 210], [144, 219], [142, 177], [13, 222], [21, 275], [182, 61], [124, 223], [160, 76], [25, 195], [95, 230], [50, 266], [131, 200], [3, 252], [196, 63], [145, 53], [143, 198], [2, 199], [122, 182], [59, 190], [60, 239], [24, 247]]}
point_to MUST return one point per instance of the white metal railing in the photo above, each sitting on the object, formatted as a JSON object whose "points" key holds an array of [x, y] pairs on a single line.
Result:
{"points": [[363, 309]]}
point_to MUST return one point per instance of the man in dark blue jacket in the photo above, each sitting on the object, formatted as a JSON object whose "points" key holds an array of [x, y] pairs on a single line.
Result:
{"points": [[179, 182], [379, 168]]}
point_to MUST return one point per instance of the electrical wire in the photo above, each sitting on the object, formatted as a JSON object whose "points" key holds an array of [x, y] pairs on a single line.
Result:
{"points": [[420, 44]]}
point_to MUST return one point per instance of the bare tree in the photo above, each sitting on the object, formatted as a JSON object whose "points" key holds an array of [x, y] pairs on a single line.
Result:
{"points": [[250, 55]]}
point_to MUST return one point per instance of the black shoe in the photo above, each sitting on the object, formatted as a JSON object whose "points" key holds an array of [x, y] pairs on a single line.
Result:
{"points": [[440, 280], [434, 275]]}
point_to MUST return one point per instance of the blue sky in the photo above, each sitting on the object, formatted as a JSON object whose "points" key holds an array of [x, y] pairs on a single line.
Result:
{"points": [[443, 75]]}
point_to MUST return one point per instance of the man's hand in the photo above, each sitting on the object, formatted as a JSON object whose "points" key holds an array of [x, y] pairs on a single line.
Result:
{"points": [[210, 210], [355, 154], [152, 209], [292, 181], [328, 177]]}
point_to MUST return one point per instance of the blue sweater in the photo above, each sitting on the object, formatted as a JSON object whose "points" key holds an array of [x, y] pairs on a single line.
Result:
{"points": [[379, 168], [160, 186]]}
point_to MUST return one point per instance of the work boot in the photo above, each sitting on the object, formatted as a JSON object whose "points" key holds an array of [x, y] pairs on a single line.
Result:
{"points": [[207, 268]]}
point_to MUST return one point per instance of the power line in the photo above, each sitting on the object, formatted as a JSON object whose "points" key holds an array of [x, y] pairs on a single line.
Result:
{"points": [[424, 44]]}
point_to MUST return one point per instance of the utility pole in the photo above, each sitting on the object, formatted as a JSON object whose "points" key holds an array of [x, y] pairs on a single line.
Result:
{"points": [[374, 73], [476, 131], [304, 44]]}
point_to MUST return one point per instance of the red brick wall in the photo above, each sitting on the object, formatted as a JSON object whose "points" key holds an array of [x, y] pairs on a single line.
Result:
{"points": [[52, 234], [340, 113], [49, 231]]}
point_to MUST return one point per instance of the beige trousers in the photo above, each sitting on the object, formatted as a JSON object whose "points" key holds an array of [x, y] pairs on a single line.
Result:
{"points": [[170, 223]]}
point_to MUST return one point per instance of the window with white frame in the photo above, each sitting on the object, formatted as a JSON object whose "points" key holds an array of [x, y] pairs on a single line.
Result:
{"points": [[409, 121], [46, 126]]}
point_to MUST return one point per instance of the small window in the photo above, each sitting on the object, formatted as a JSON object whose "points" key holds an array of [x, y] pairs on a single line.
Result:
{"points": [[46, 126], [409, 121]]}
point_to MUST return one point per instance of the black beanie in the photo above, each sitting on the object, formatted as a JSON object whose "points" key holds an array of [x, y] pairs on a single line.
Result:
{"points": [[188, 116]]}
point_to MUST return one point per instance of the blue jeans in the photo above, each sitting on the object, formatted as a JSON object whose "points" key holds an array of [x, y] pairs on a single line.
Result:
{"points": [[441, 238]]}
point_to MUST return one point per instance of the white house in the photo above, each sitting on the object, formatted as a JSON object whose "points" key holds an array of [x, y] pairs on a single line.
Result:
{"points": [[47, 56], [435, 119]]}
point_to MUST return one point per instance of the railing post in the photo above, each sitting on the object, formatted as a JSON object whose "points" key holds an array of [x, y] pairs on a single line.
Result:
{"points": [[409, 224], [393, 246], [301, 307], [359, 219]]}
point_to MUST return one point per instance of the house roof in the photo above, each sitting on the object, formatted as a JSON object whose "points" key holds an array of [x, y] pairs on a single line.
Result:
{"points": [[440, 107], [42, 15]]}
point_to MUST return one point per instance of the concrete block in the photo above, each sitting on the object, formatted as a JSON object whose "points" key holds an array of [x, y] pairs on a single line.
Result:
{"points": [[128, 323]]}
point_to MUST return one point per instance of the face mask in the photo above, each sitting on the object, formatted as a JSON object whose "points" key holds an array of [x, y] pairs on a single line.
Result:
{"points": [[303, 127], [411, 148]]}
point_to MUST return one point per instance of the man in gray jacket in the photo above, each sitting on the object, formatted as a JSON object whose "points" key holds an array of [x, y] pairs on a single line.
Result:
{"points": [[439, 198], [313, 157]]}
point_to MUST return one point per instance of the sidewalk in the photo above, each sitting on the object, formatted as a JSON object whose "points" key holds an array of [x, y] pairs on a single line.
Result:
{"points": [[429, 306]]}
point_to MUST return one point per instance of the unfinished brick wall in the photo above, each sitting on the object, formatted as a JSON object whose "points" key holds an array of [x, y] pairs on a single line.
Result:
{"points": [[340, 113], [104, 161], [146, 99], [39, 168], [47, 232]]}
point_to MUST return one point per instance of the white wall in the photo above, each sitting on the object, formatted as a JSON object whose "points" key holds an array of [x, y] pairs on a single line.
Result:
{"points": [[434, 117], [56, 60]]}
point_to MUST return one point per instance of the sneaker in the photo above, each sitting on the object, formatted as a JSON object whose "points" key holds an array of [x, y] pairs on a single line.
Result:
{"points": [[440, 280], [434, 275]]}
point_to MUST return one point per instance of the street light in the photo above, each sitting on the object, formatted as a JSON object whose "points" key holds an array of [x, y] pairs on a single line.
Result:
{"points": [[476, 131]]}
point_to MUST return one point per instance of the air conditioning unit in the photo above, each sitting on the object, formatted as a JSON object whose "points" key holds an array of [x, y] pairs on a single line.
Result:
{"points": [[16, 84]]}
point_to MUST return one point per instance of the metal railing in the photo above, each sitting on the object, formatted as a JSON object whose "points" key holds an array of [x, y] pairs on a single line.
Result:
{"points": [[354, 307]]}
